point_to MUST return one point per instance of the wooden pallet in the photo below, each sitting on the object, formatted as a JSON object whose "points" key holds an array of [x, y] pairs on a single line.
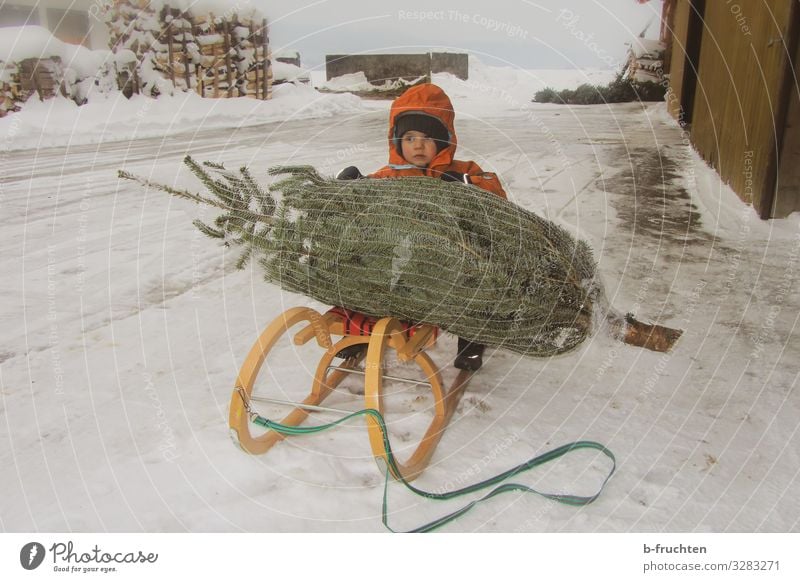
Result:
{"points": [[200, 52]]}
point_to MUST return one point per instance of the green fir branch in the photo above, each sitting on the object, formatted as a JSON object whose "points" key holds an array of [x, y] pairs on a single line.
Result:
{"points": [[207, 230], [185, 194]]}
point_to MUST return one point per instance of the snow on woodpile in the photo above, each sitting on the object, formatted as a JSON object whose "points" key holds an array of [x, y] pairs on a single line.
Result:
{"points": [[207, 46], [289, 56], [646, 60], [289, 73], [34, 62]]}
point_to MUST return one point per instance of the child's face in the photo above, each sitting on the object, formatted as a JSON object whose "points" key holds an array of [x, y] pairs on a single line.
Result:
{"points": [[418, 148]]}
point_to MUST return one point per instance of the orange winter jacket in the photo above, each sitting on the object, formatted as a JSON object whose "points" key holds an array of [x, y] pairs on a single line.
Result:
{"points": [[431, 100]]}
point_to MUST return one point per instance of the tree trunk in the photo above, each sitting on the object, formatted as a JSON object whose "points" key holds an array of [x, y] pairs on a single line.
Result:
{"points": [[650, 336]]}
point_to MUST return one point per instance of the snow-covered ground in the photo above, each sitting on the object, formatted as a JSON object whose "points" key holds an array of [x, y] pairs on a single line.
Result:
{"points": [[124, 328]]}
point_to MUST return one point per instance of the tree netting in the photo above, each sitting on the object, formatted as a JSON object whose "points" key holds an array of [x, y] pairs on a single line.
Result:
{"points": [[420, 249]]}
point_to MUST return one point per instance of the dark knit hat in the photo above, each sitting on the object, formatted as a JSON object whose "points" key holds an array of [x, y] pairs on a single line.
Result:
{"points": [[426, 124]]}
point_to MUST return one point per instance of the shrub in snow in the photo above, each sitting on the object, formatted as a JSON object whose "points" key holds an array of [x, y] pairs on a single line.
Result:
{"points": [[622, 89]]}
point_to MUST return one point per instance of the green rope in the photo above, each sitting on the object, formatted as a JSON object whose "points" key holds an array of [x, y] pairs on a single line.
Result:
{"points": [[573, 500]]}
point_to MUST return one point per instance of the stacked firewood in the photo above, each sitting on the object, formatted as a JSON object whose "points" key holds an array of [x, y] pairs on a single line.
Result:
{"points": [[132, 25], [215, 55], [9, 88], [41, 76], [21, 80]]}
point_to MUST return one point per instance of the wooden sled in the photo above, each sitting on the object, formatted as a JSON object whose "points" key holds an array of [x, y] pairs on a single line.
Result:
{"points": [[388, 333]]}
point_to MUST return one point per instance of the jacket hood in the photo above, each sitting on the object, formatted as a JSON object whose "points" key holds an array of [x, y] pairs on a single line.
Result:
{"points": [[426, 99]]}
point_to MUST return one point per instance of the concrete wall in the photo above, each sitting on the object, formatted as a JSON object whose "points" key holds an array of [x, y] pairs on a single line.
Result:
{"points": [[380, 68], [454, 63]]}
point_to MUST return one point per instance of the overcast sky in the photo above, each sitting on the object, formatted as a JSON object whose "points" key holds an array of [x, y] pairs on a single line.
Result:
{"points": [[521, 33]]}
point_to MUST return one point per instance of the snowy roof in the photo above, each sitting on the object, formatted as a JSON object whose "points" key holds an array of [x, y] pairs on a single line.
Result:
{"points": [[18, 43], [217, 7]]}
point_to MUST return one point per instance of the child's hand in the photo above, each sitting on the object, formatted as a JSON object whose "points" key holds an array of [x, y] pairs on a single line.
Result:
{"points": [[456, 177], [349, 173]]}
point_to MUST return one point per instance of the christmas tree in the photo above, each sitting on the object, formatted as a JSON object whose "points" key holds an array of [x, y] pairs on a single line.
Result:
{"points": [[419, 249]]}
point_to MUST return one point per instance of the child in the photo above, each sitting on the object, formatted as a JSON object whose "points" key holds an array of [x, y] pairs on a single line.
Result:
{"points": [[422, 142]]}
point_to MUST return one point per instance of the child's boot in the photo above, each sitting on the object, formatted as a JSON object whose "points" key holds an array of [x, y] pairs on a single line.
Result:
{"points": [[469, 356]]}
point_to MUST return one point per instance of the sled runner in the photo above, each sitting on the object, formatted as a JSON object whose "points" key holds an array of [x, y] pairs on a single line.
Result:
{"points": [[408, 341]]}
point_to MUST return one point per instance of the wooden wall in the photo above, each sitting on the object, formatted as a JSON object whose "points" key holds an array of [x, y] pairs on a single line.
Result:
{"points": [[677, 56], [740, 102], [787, 192]]}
